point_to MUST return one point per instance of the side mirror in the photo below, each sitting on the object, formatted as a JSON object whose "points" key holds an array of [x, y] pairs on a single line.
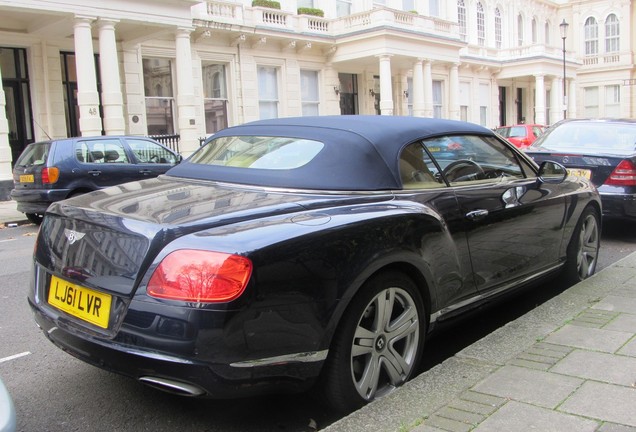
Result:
{"points": [[552, 172]]}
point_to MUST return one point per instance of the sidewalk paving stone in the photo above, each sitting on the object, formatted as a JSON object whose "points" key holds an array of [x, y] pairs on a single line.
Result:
{"points": [[598, 366], [589, 338], [527, 385], [618, 303], [612, 427], [516, 416], [603, 401], [629, 349], [624, 322]]}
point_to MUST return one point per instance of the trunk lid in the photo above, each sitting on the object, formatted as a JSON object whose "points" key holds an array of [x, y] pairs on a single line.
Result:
{"points": [[108, 238]]}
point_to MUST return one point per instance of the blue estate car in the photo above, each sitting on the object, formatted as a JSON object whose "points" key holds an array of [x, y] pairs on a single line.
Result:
{"points": [[54, 170], [294, 253]]}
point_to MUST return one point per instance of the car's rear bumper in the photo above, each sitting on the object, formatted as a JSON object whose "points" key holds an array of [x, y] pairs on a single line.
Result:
{"points": [[619, 205], [186, 376], [37, 201]]}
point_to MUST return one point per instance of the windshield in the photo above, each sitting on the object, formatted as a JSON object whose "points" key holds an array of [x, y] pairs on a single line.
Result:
{"points": [[270, 153], [34, 155], [598, 137]]}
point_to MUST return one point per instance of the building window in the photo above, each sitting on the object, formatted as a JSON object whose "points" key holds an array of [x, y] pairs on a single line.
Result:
{"points": [[305, 3], [520, 30], [590, 96], [433, 8], [498, 28], [309, 92], [484, 102], [461, 19], [408, 5], [343, 8], [268, 92], [215, 100], [612, 33], [481, 25], [534, 30], [612, 101], [379, 3], [464, 97], [591, 36], [547, 33], [437, 99], [159, 96]]}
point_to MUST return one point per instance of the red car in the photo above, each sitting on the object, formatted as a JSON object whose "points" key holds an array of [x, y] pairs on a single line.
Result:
{"points": [[521, 135]]}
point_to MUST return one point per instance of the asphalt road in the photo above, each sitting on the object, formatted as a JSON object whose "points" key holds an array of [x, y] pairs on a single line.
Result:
{"points": [[53, 391]]}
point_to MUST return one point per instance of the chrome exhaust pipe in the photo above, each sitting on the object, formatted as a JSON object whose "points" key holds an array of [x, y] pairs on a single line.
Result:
{"points": [[174, 387]]}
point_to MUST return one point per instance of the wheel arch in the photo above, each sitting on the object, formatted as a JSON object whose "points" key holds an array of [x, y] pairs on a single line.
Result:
{"points": [[411, 270]]}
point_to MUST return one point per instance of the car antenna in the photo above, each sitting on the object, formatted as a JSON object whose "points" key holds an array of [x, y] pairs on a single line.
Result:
{"points": [[38, 124]]}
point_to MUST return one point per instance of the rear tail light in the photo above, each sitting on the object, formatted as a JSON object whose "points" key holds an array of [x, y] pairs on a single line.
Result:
{"points": [[50, 175], [200, 276], [623, 175]]}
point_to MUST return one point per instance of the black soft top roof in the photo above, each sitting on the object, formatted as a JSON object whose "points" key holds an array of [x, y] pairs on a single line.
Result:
{"points": [[360, 152]]}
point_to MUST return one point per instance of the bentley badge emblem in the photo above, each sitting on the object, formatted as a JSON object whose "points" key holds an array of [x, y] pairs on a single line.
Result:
{"points": [[72, 235]]}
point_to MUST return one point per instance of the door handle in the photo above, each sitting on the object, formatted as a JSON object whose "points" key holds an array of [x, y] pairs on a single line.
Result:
{"points": [[95, 173], [477, 214], [144, 172]]}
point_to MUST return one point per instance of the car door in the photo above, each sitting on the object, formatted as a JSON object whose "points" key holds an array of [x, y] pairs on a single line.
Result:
{"points": [[443, 239], [104, 162], [150, 157], [513, 222]]}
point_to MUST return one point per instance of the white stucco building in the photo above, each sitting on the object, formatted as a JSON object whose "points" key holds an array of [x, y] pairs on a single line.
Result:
{"points": [[189, 68]]}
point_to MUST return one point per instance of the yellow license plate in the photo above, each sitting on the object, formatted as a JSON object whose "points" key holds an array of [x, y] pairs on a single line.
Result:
{"points": [[435, 149], [585, 173], [81, 302], [26, 178]]}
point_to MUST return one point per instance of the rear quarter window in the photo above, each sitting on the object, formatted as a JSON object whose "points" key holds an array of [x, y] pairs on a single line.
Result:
{"points": [[34, 155], [258, 152]]}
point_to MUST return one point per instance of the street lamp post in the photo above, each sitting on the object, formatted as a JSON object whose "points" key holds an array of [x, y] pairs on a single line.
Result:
{"points": [[564, 33]]}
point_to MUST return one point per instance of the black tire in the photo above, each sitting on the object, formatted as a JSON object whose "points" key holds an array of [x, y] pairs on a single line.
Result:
{"points": [[367, 361], [582, 253], [35, 218]]}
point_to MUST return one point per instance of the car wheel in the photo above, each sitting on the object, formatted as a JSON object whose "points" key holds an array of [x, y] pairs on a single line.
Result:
{"points": [[378, 343], [35, 218], [582, 254]]}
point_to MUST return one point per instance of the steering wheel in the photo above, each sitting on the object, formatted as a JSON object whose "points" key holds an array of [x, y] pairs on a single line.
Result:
{"points": [[463, 170]]}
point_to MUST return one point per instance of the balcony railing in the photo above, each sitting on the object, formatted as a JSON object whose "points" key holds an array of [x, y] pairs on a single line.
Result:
{"points": [[605, 59], [237, 13]]}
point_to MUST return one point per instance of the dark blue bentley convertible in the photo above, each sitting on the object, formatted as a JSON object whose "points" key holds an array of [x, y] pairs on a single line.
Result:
{"points": [[296, 252]]}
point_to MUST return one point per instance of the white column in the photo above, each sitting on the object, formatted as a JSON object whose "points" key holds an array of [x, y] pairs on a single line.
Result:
{"points": [[5, 148], [185, 92], [539, 107], [556, 103], [572, 99], [418, 89], [454, 91], [112, 99], [386, 86], [87, 96], [428, 89]]}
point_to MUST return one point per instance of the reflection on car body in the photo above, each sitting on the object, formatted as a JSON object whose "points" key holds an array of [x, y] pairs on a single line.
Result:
{"points": [[299, 252]]}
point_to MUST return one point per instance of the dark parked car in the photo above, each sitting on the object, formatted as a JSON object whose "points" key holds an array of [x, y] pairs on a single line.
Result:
{"points": [[54, 170], [299, 251], [521, 135], [601, 150]]}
